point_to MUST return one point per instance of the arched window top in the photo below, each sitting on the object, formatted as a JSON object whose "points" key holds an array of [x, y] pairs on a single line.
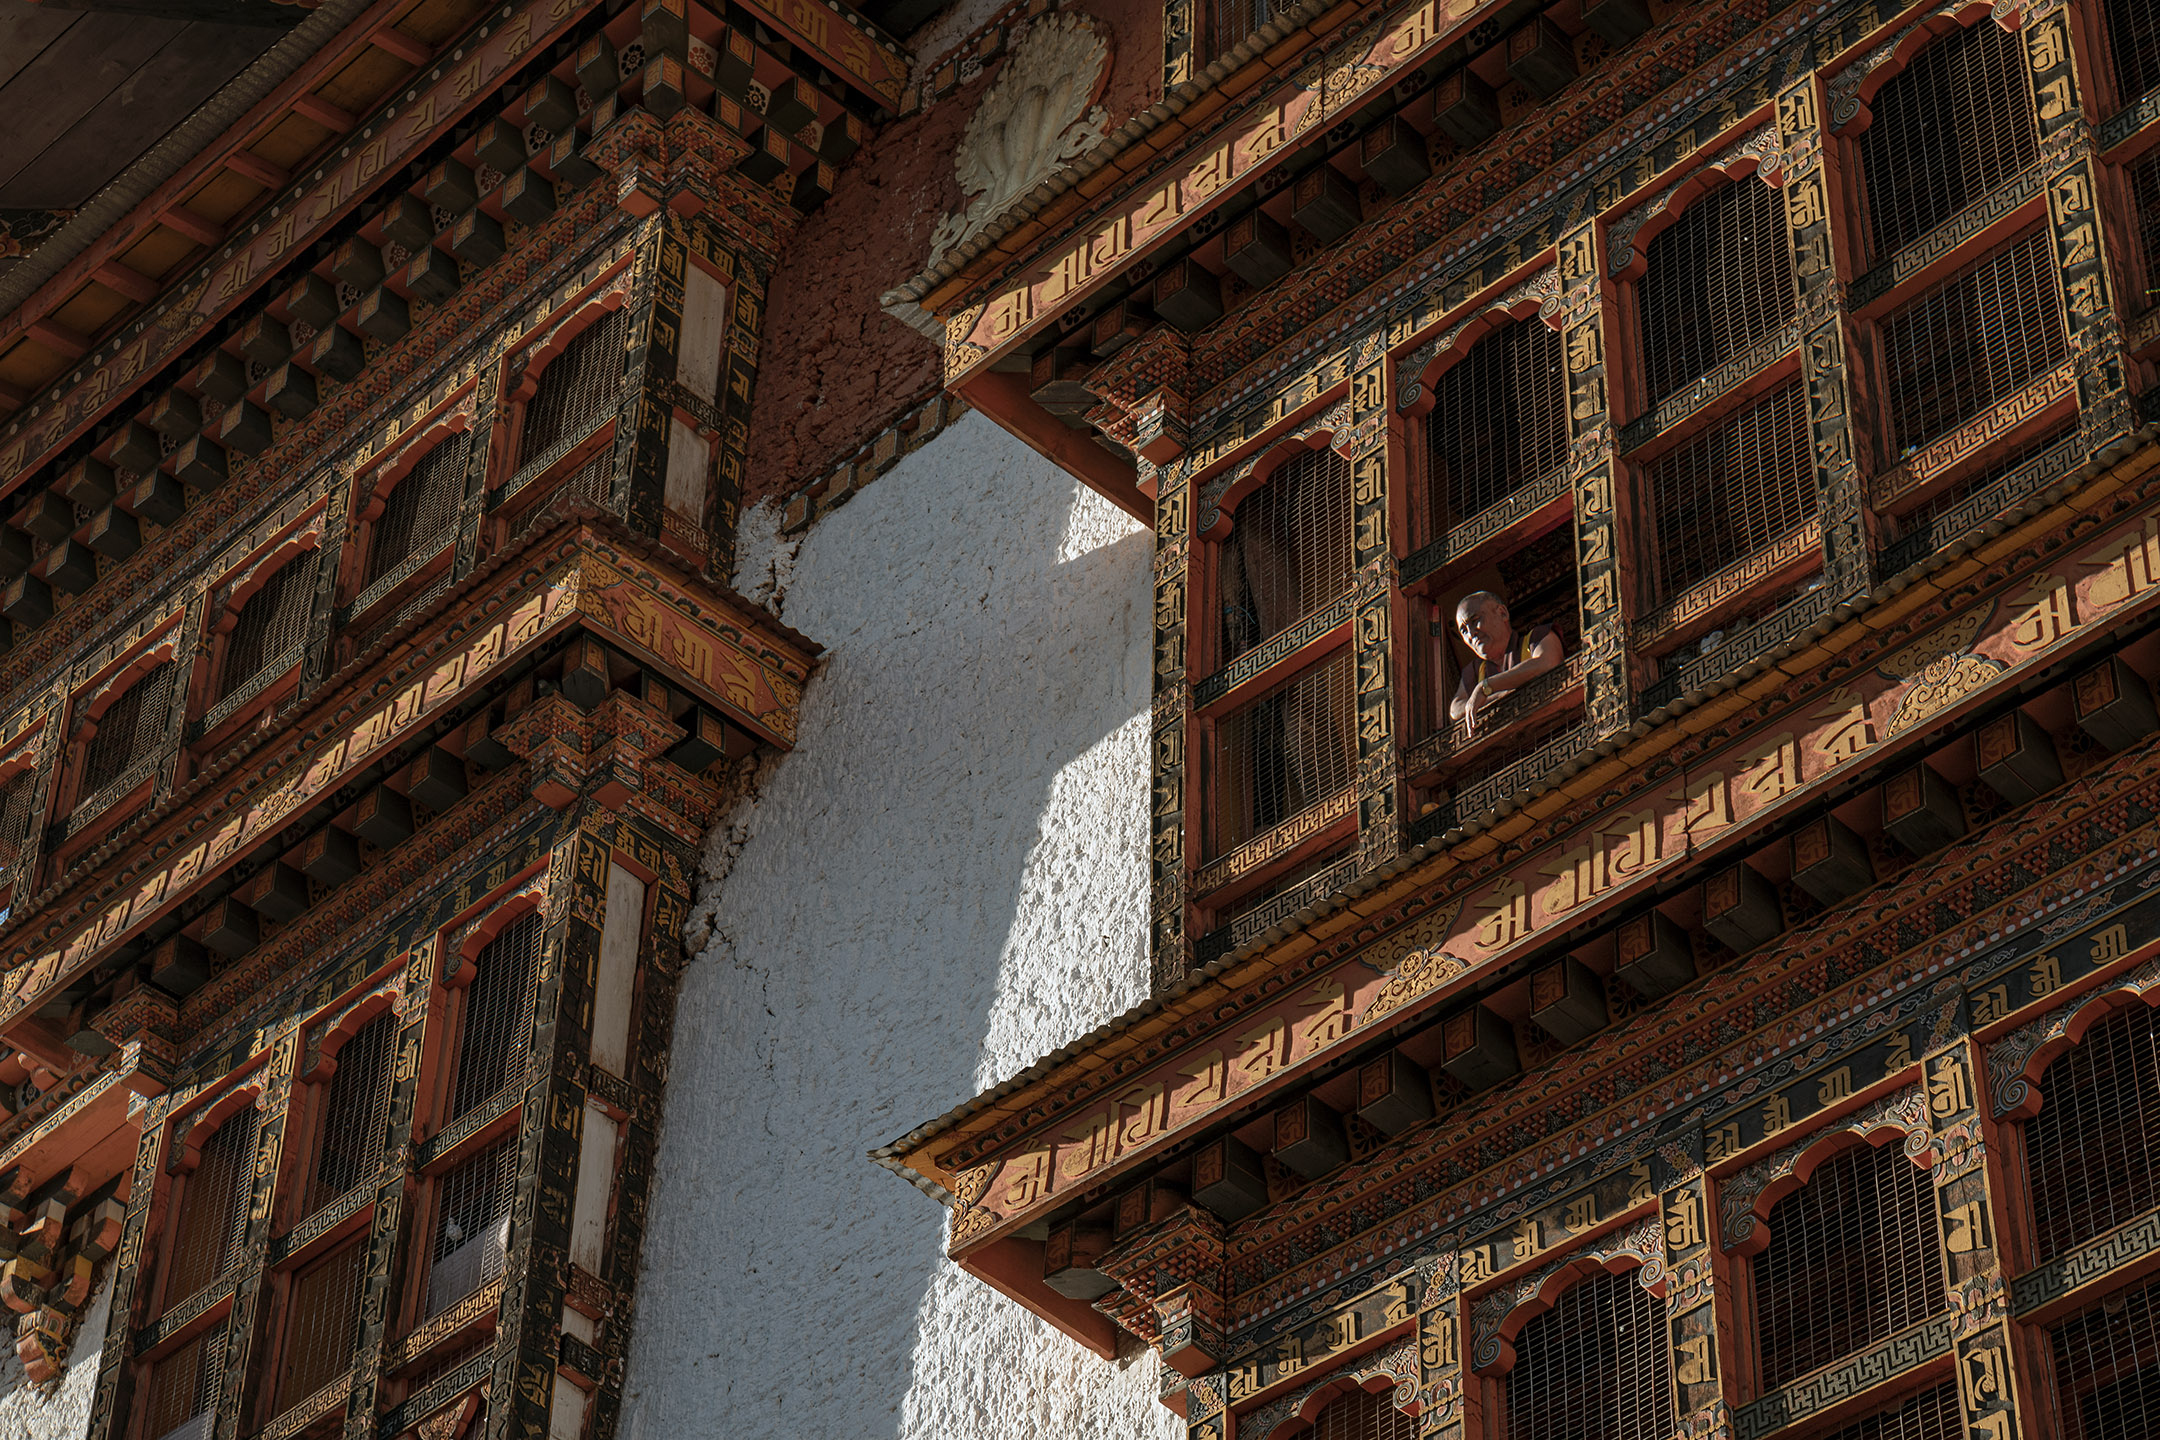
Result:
{"points": [[493, 1038], [420, 511], [354, 1113], [1853, 1257], [1357, 1415], [1288, 553], [1951, 126], [1718, 279], [576, 387], [2093, 1150], [130, 731], [211, 1220], [2134, 45], [1498, 422], [1597, 1363], [271, 623]]}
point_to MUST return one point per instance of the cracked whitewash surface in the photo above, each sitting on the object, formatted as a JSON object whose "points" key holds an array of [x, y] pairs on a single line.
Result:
{"points": [[945, 881]]}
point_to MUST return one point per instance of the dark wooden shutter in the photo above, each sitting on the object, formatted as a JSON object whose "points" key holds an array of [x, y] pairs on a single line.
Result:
{"points": [[183, 1388], [1733, 489], [272, 622], [1596, 1364], [1282, 755], [2092, 1154], [1972, 340], [1288, 552], [472, 1215], [2134, 43], [355, 1112], [1853, 1257], [1361, 1415], [1498, 422], [1949, 128], [212, 1217], [577, 387], [322, 1328], [421, 510], [498, 1015], [130, 732], [1718, 280], [2107, 1368]]}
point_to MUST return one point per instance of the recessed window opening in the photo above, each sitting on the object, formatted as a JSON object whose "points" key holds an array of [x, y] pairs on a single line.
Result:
{"points": [[1498, 422], [212, 1219], [1717, 280], [1225, 22], [1288, 553], [2093, 1150], [130, 732], [576, 387], [272, 622], [1359, 1415], [183, 1389], [1930, 1415], [2107, 1368], [1285, 754], [493, 1037], [2145, 192], [355, 1114], [472, 1225], [421, 510], [1732, 490], [1597, 1363], [323, 1325], [1972, 340], [1947, 129], [2134, 44]]}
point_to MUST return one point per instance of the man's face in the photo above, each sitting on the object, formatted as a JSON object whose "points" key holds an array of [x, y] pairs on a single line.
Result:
{"points": [[1484, 628]]}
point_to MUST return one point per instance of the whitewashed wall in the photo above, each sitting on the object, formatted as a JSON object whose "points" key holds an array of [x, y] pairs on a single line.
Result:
{"points": [[943, 882], [60, 1411]]}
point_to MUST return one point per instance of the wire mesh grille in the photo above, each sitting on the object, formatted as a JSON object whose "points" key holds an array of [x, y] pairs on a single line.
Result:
{"points": [[498, 1015], [472, 1225], [422, 507], [2145, 192], [131, 730], [1285, 754], [272, 621], [1288, 552], [576, 387], [16, 793], [1717, 281], [1853, 1257], [323, 1324], [1361, 1415], [355, 1111], [2093, 1151], [184, 1385], [1972, 340], [1498, 422], [2134, 41], [1732, 490], [1597, 1363], [212, 1218], [2107, 1368], [1225, 22], [1949, 128], [1930, 1415]]}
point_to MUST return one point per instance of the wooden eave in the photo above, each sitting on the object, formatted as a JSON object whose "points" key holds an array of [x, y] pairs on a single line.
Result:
{"points": [[1127, 1042]]}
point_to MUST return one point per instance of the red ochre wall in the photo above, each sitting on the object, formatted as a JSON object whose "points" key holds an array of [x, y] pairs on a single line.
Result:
{"points": [[836, 369]]}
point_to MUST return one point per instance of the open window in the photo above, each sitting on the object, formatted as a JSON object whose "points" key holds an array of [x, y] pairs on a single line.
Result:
{"points": [[1946, 130], [1853, 1258]]}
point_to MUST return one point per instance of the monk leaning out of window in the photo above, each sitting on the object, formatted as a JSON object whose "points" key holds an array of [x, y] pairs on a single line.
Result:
{"points": [[1504, 660]]}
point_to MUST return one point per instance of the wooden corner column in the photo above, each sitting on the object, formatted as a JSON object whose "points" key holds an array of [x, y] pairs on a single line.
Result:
{"points": [[1608, 688]]}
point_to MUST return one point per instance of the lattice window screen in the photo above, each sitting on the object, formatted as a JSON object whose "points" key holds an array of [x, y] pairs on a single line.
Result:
{"points": [[1288, 552], [1222, 23], [1361, 1415], [212, 1219], [183, 1388], [16, 795], [1718, 280], [1732, 490], [131, 731], [272, 622], [2145, 191], [498, 1015], [421, 510], [1930, 1415], [2092, 1154], [322, 1325], [355, 1112], [1972, 340], [1285, 754], [2107, 1368], [1597, 1363], [2134, 41], [1498, 422], [576, 388], [472, 1225], [1947, 129], [1853, 1257]]}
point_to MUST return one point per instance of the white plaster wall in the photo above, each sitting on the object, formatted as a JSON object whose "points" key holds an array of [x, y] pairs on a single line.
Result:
{"points": [[943, 882], [61, 1411]]}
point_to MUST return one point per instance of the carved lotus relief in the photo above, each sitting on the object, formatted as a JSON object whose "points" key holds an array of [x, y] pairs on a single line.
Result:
{"points": [[1039, 116]]}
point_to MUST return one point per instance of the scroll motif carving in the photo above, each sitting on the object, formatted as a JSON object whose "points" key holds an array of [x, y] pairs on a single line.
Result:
{"points": [[1644, 1241], [1759, 152], [1396, 1362], [1740, 1208], [2012, 1070], [1542, 287], [1846, 86]]}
